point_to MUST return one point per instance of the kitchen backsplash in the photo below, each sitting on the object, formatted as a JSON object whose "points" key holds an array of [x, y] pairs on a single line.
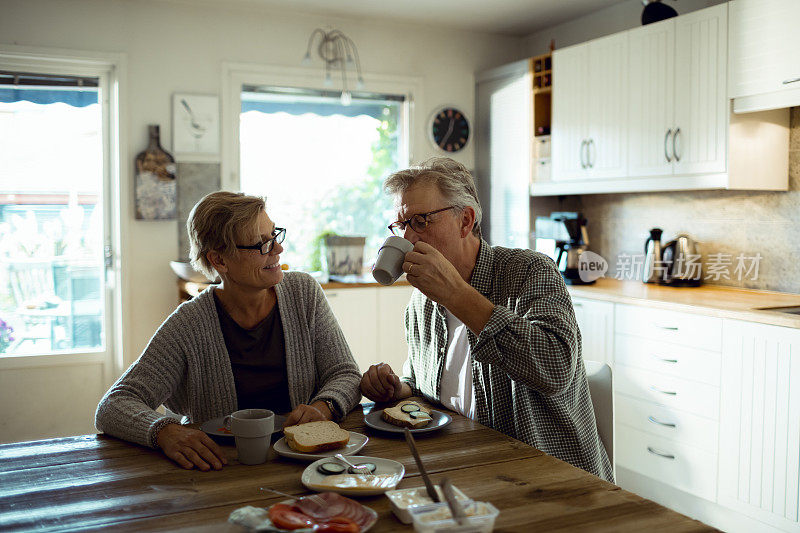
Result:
{"points": [[729, 223]]}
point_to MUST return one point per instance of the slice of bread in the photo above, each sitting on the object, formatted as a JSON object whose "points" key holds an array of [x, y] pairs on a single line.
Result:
{"points": [[316, 436], [395, 415]]}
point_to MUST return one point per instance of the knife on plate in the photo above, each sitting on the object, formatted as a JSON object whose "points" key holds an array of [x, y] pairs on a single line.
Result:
{"points": [[428, 485]]}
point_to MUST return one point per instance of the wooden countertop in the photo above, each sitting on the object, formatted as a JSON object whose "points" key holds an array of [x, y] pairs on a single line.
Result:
{"points": [[191, 289], [99, 482], [710, 300]]}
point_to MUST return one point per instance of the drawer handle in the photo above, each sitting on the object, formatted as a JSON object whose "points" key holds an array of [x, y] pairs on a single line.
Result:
{"points": [[791, 80], [668, 392], [663, 359], [660, 454], [654, 420], [670, 328]]}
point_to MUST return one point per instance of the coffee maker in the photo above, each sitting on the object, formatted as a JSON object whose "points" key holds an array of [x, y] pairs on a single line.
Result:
{"points": [[569, 250]]}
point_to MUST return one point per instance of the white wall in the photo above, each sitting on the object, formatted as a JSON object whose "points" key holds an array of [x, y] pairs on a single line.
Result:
{"points": [[618, 17], [174, 46]]}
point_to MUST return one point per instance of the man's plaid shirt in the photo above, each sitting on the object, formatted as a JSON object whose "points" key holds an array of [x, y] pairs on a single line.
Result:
{"points": [[530, 381]]}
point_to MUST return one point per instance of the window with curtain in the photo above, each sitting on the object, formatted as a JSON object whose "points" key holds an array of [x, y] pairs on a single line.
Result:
{"points": [[321, 164]]}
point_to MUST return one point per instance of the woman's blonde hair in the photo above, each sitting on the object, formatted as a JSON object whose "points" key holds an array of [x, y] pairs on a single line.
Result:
{"points": [[217, 222]]}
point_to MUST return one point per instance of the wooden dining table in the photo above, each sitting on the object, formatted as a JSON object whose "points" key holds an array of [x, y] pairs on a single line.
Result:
{"points": [[100, 482]]}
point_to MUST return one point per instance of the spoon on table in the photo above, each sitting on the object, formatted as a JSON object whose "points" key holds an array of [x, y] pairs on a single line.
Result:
{"points": [[452, 502], [428, 485], [363, 468]]}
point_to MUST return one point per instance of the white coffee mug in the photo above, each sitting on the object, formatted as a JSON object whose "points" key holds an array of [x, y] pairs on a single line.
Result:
{"points": [[389, 264], [252, 429]]}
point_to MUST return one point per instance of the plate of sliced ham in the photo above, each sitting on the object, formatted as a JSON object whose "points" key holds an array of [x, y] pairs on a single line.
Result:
{"points": [[326, 512]]}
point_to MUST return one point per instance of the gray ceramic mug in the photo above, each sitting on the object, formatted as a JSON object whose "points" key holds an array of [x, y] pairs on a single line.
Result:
{"points": [[252, 429], [389, 264]]}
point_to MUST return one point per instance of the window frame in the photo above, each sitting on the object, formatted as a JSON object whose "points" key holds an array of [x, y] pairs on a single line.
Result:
{"points": [[110, 70], [237, 75]]}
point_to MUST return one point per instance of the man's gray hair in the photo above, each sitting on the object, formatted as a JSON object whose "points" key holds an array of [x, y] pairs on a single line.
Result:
{"points": [[451, 177]]}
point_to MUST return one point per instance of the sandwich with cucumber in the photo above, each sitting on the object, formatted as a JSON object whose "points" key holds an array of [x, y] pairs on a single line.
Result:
{"points": [[409, 414]]}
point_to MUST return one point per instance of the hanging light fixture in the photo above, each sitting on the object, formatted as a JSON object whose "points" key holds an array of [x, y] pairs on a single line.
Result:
{"points": [[337, 50]]}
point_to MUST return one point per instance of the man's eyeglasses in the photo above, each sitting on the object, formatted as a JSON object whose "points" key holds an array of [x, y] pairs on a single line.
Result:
{"points": [[417, 222], [265, 247]]}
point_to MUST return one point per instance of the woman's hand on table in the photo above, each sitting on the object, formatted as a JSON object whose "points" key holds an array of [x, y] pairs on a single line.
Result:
{"points": [[381, 384], [190, 447], [308, 413]]}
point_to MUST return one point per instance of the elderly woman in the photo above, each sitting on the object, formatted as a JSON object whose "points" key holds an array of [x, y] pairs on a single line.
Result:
{"points": [[262, 338]]}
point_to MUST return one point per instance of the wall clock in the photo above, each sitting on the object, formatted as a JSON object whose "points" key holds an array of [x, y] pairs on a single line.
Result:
{"points": [[449, 129]]}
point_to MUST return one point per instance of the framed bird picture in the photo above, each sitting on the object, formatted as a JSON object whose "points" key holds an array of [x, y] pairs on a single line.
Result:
{"points": [[449, 129]]}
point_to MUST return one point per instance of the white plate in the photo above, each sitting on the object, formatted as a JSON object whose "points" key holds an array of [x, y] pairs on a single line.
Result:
{"points": [[438, 421], [371, 512], [216, 426], [354, 445], [391, 471]]}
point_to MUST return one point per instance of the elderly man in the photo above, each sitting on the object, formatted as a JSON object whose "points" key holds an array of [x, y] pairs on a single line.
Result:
{"points": [[491, 330]]}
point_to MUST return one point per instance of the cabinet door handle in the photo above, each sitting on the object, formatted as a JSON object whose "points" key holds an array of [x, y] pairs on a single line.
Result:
{"points": [[666, 150], [660, 454], [663, 359], [583, 151], [667, 392], [654, 420], [589, 153], [674, 151], [791, 80], [670, 328]]}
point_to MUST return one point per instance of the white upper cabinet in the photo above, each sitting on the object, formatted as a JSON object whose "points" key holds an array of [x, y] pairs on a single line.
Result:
{"points": [[651, 71], [699, 137], [648, 110], [679, 107], [570, 125], [764, 65], [589, 113]]}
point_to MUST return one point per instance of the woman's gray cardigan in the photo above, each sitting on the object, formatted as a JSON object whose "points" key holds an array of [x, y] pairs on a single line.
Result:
{"points": [[186, 366]]}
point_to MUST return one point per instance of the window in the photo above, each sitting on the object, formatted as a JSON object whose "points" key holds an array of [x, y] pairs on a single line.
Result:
{"points": [[321, 164], [52, 219]]}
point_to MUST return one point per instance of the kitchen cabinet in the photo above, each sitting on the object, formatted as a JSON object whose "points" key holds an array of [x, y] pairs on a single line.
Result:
{"points": [[590, 109], [596, 323], [764, 71], [667, 396], [677, 132], [760, 422], [678, 120], [371, 319]]}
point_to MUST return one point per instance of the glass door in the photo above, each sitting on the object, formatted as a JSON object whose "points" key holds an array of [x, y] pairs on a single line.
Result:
{"points": [[53, 214]]}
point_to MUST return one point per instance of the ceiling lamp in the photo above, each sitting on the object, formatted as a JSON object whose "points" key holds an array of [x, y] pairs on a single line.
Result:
{"points": [[337, 50]]}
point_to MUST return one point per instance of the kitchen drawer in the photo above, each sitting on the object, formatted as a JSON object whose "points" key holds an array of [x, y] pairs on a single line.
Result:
{"points": [[692, 396], [696, 331], [681, 466], [542, 170], [667, 422], [668, 358], [541, 146]]}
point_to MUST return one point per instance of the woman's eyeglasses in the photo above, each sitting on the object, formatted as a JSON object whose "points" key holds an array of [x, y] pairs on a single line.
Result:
{"points": [[265, 247], [417, 222]]}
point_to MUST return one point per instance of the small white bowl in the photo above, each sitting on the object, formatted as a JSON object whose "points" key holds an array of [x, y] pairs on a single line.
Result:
{"points": [[403, 500], [187, 273], [436, 518]]}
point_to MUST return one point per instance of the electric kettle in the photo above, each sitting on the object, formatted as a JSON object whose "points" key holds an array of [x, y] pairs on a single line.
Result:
{"points": [[653, 271], [682, 265]]}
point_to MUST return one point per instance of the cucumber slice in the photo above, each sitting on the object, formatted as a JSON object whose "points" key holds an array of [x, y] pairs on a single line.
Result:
{"points": [[370, 466], [329, 469], [419, 414], [410, 408]]}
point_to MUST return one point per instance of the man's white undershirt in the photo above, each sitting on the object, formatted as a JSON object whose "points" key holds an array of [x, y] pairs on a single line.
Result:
{"points": [[457, 390]]}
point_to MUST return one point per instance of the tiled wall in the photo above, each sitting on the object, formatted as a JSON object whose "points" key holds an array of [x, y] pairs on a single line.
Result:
{"points": [[726, 222]]}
